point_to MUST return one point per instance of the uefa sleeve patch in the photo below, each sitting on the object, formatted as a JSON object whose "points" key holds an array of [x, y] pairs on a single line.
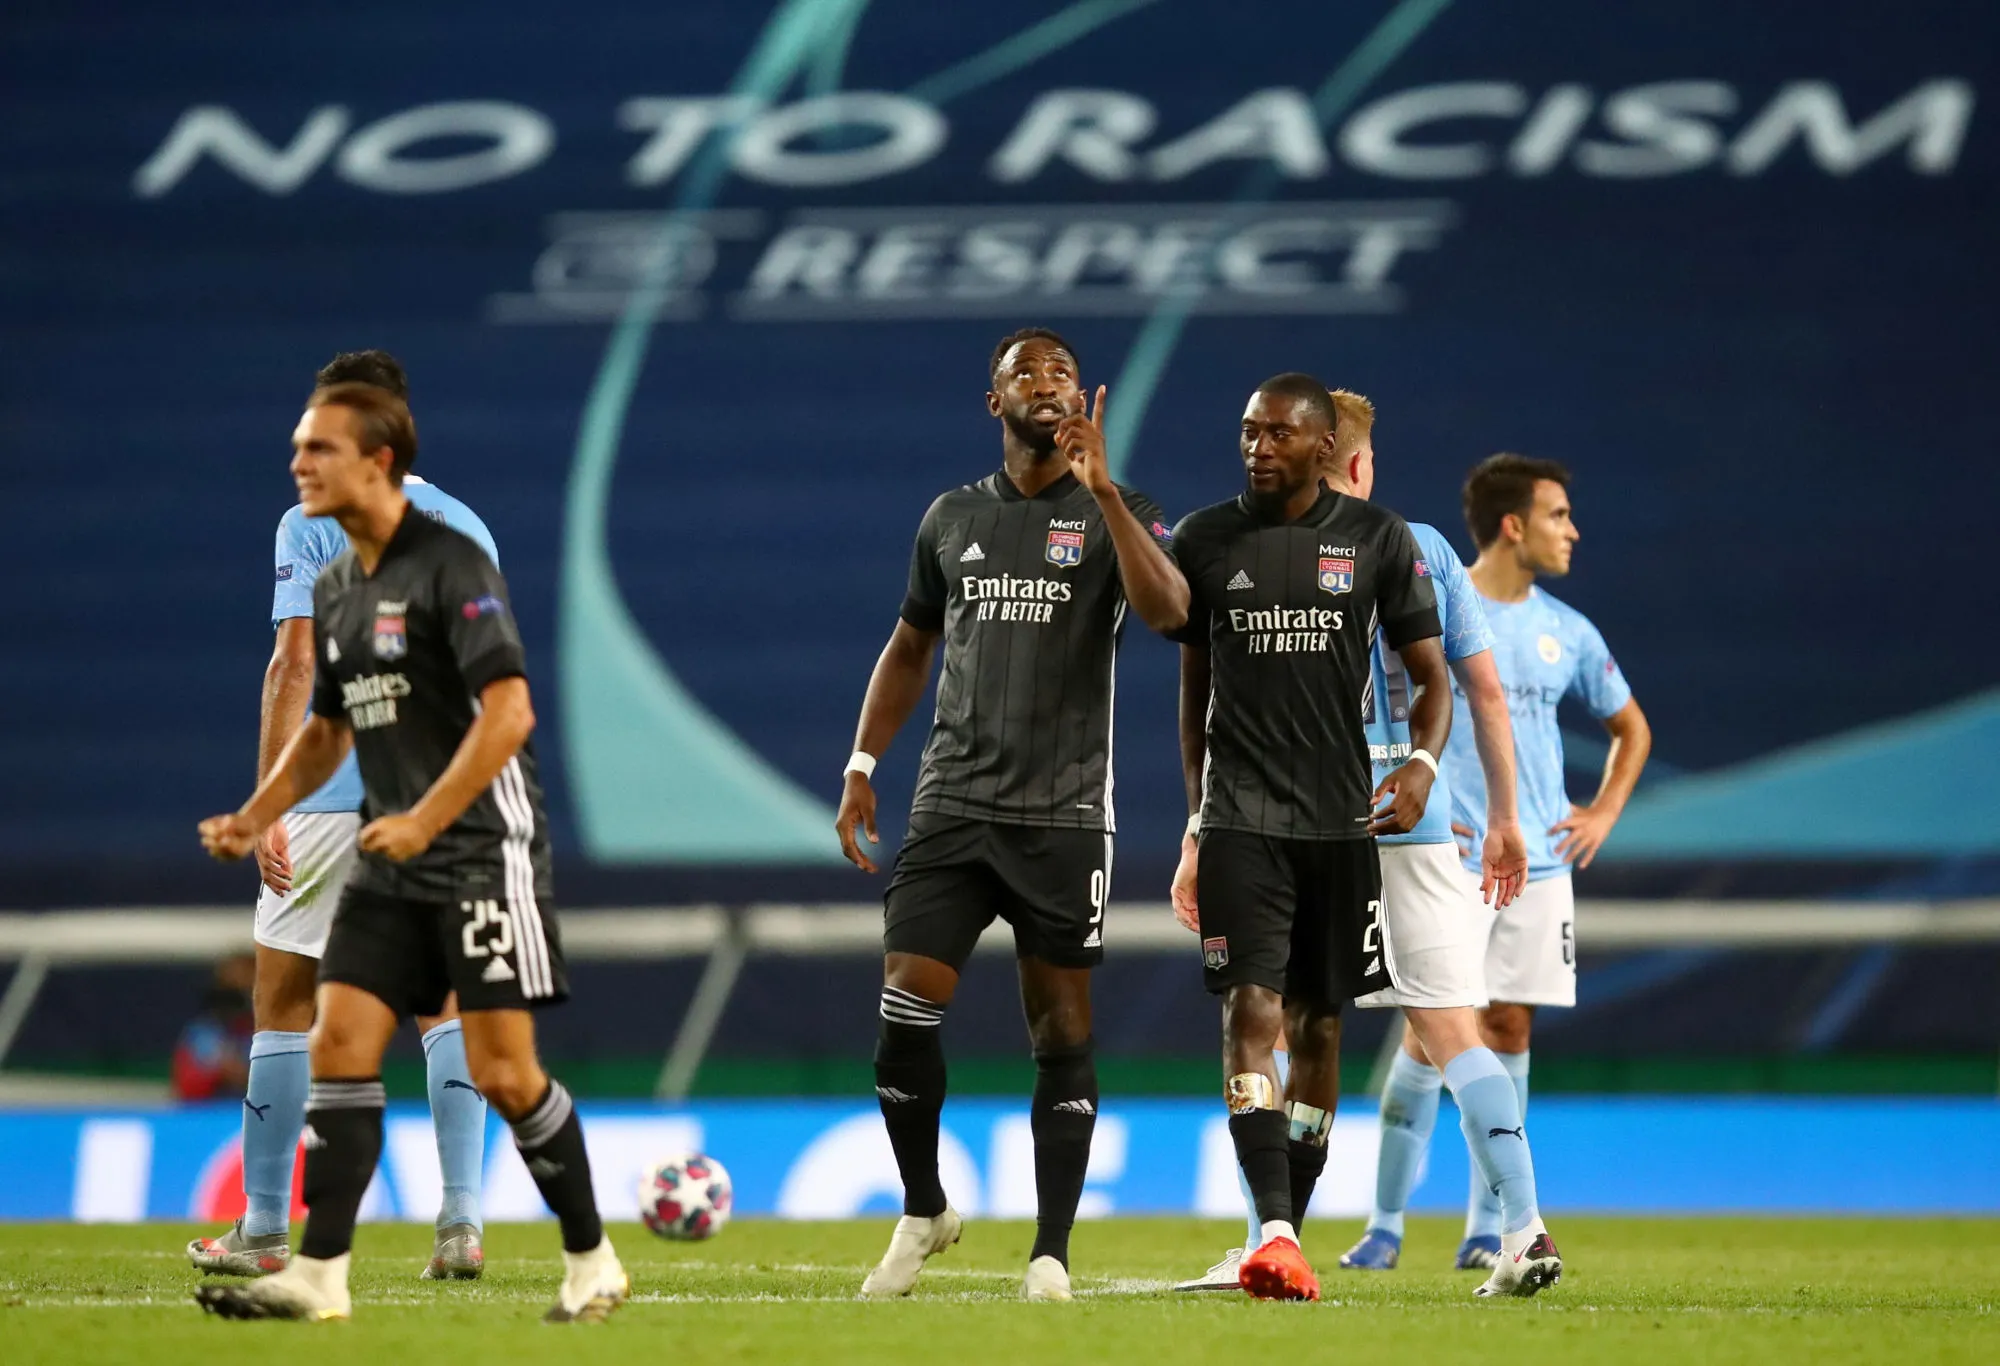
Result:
{"points": [[1423, 570], [486, 606], [284, 572]]}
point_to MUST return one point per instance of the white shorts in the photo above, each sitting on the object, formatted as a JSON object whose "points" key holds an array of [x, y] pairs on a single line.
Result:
{"points": [[1433, 929], [323, 854], [1531, 946]]}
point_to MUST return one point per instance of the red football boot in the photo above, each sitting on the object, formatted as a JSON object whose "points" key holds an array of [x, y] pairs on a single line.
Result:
{"points": [[1279, 1271]]}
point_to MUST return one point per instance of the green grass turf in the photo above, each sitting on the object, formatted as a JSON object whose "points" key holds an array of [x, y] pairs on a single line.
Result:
{"points": [[1769, 1291]]}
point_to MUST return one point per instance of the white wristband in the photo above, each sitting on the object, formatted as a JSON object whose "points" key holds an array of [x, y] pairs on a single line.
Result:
{"points": [[1194, 825], [864, 764], [1425, 757]]}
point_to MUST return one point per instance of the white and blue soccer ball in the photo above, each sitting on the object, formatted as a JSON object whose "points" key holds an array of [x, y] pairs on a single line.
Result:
{"points": [[685, 1197]]}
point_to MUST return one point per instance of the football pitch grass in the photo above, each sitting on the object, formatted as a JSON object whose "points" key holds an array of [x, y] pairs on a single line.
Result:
{"points": [[1690, 1290]]}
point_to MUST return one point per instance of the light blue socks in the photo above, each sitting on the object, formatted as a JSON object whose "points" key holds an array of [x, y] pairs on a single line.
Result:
{"points": [[459, 1112], [1490, 1096], [274, 1111], [1409, 1114]]}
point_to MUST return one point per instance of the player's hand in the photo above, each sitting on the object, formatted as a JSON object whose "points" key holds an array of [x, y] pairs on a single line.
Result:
{"points": [[1466, 838], [274, 857], [1503, 865], [1080, 438], [1183, 895], [228, 838], [1399, 800], [396, 838], [857, 804], [1583, 834]]}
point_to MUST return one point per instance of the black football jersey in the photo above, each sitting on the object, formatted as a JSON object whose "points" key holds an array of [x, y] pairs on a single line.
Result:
{"points": [[1288, 612], [1027, 594], [403, 655]]}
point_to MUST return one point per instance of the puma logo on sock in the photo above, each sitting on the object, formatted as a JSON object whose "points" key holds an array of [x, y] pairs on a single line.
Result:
{"points": [[1518, 1133], [450, 1082], [258, 1110]]}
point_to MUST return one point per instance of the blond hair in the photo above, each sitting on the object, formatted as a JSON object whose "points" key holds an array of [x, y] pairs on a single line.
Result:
{"points": [[1356, 419]]}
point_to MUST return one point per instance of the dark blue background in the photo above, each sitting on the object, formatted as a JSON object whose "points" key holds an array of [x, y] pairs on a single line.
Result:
{"points": [[1773, 388]]}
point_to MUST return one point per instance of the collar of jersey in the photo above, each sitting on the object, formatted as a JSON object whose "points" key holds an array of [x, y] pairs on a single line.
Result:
{"points": [[1010, 492], [397, 537], [1322, 506]]}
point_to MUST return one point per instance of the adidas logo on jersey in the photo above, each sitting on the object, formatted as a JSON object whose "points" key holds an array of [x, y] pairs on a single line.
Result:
{"points": [[1074, 1107], [309, 1136], [1240, 582], [333, 652], [893, 1096], [1374, 966], [1094, 940], [972, 552], [497, 971]]}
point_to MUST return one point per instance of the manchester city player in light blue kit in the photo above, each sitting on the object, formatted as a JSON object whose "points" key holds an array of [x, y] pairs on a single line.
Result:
{"points": [[1518, 511], [1430, 926], [304, 861]]}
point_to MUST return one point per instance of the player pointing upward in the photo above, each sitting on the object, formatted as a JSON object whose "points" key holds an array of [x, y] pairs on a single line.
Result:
{"points": [[1025, 576]]}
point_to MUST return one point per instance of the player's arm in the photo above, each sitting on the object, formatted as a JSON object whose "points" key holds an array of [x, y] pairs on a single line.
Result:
{"points": [[505, 721], [308, 760], [1195, 683], [288, 681], [1153, 583], [1504, 858], [1584, 833], [894, 689], [1401, 796]]}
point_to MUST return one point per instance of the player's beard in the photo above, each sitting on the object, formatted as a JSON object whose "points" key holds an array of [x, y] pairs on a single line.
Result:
{"points": [[1272, 505], [1030, 433]]}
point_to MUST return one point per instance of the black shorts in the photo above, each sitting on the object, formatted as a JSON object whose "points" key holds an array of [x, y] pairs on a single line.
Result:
{"points": [[953, 876], [1301, 917], [495, 952]]}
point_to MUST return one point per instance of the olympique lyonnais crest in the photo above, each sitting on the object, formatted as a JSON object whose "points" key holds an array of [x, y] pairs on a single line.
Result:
{"points": [[1065, 549], [1215, 954], [391, 642], [1336, 576]]}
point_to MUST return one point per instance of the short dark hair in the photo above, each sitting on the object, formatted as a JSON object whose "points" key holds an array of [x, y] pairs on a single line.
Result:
{"points": [[1503, 485], [383, 420], [1292, 384], [378, 368], [1014, 339]]}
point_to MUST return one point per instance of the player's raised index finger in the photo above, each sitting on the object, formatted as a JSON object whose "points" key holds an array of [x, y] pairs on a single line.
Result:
{"points": [[1097, 412]]}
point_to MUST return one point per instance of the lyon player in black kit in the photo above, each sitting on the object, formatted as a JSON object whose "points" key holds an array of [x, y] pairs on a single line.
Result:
{"points": [[1290, 583], [419, 666], [1025, 576]]}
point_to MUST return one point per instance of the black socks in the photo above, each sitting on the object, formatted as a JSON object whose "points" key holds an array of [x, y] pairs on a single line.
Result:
{"points": [[550, 1138], [910, 1084], [1064, 1116], [343, 1138]]}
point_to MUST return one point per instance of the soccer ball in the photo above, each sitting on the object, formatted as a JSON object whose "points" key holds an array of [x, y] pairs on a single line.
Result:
{"points": [[685, 1197]]}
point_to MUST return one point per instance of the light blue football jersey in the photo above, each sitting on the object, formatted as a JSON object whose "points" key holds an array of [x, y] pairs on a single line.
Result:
{"points": [[1385, 711], [1545, 650], [307, 545]]}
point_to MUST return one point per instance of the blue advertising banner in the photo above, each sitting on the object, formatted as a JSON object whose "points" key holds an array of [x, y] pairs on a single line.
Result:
{"points": [[824, 1160], [697, 299]]}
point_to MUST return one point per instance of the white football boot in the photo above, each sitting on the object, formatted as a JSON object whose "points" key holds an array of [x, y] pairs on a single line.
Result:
{"points": [[594, 1284], [1047, 1279], [1224, 1275], [914, 1242], [1528, 1263], [309, 1289]]}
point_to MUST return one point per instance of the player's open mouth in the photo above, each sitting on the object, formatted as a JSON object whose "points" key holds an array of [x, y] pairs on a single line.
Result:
{"points": [[1051, 411]]}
